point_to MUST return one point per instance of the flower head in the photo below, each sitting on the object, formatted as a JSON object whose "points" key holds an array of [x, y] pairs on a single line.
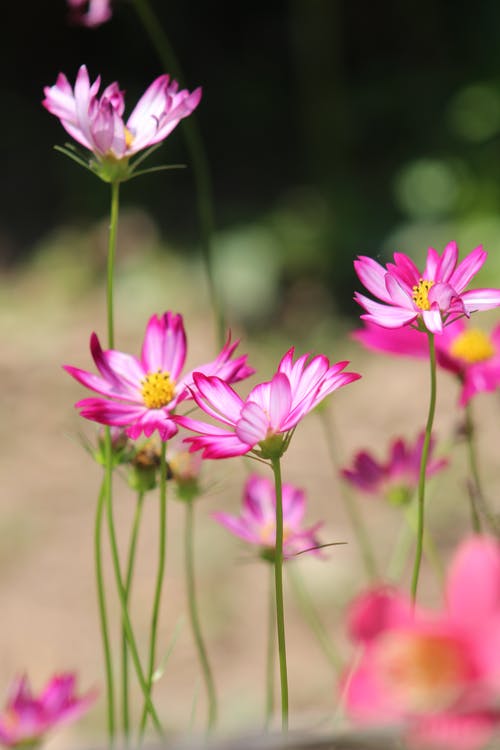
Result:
{"points": [[257, 522], [97, 122], [26, 718], [471, 354], [142, 393], [434, 671], [90, 13], [433, 297], [397, 478], [270, 411]]}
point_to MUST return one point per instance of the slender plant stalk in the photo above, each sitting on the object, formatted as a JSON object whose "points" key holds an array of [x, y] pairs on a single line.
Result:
{"points": [[311, 616], [423, 468], [128, 585], [350, 504], [474, 468], [162, 549], [113, 229], [194, 617], [271, 650], [103, 618], [197, 154], [278, 580]]}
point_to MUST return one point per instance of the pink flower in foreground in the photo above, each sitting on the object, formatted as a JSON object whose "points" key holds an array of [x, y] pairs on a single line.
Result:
{"points": [[435, 296], [257, 522], [26, 718], [436, 673], [97, 122], [469, 353], [90, 13], [270, 411], [141, 394], [397, 478]]}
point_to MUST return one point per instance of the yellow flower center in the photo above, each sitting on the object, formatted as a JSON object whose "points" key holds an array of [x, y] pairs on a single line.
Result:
{"points": [[129, 138], [157, 389], [268, 533], [421, 294], [425, 672], [472, 346]]}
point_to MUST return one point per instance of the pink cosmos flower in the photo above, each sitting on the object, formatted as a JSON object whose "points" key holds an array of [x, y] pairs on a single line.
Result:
{"points": [[469, 353], [97, 122], [436, 673], [270, 411], [257, 522], [90, 13], [141, 394], [397, 478], [26, 718], [435, 296]]}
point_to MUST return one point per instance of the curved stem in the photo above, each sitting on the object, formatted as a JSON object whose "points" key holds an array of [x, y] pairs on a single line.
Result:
{"points": [[128, 585], [197, 153], [103, 618], [162, 549], [350, 504], [113, 229], [194, 618], [278, 580], [271, 650], [476, 491], [423, 467]]}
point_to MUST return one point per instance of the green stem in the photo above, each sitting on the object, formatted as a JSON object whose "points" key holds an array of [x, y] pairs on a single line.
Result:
{"points": [[162, 548], [197, 153], [312, 618], [271, 651], [113, 229], [278, 580], [194, 617], [128, 585], [476, 491], [350, 504], [423, 467], [103, 616]]}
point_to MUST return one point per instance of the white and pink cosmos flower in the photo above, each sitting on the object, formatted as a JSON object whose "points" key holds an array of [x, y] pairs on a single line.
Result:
{"points": [[97, 122], [257, 522], [26, 718], [436, 674], [433, 297], [264, 419], [141, 394], [90, 13]]}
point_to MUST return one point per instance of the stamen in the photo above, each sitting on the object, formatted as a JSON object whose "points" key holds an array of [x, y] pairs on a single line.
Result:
{"points": [[472, 346], [157, 389], [129, 138], [421, 292]]}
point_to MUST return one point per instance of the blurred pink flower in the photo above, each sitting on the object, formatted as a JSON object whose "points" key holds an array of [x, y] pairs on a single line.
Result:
{"points": [[257, 522], [270, 411], [97, 123], [26, 718], [141, 394], [397, 478], [435, 297], [90, 13], [469, 353], [436, 673]]}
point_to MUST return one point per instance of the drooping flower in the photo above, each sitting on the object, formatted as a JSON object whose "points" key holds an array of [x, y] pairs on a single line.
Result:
{"points": [[264, 420], [97, 122], [471, 354], [141, 394], [437, 673], [27, 718], [433, 297], [397, 478], [257, 522], [90, 13]]}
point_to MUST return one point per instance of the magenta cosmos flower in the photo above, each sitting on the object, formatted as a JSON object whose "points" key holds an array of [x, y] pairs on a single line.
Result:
{"points": [[97, 122], [141, 394], [469, 353], [437, 673], [435, 296], [90, 13], [26, 718], [396, 478], [257, 522], [270, 411]]}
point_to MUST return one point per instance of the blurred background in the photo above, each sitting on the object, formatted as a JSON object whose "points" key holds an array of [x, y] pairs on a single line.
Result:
{"points": [[332, 129]]}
